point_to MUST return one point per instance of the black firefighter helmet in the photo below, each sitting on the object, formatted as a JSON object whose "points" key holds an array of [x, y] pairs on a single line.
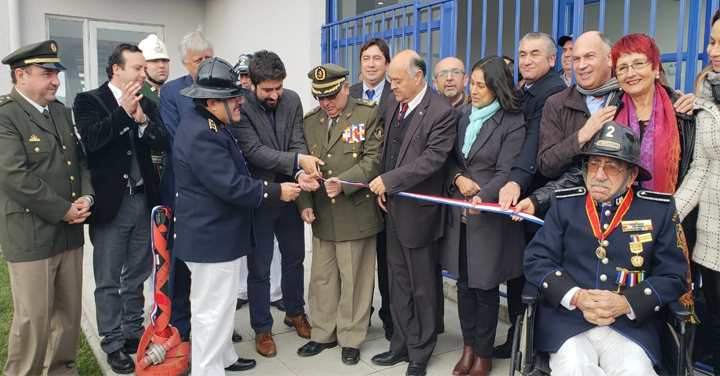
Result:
{"points": [[214, 79], [616, 141]]}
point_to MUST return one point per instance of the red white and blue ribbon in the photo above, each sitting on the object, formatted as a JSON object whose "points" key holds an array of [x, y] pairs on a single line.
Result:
{"points": [[492, 208]]}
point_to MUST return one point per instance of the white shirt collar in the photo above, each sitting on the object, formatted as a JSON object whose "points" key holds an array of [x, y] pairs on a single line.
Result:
{"points": [[416, 101], [32, 102], [378, 90], [116, 92]]}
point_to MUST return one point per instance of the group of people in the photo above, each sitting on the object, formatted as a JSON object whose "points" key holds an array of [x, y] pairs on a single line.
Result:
{"points": [[229, 149]]}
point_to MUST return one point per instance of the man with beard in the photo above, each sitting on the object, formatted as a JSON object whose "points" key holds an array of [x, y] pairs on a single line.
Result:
{"points": [[450, 81], [118, 128], [271, 137], [158, 66], [536, 58]]}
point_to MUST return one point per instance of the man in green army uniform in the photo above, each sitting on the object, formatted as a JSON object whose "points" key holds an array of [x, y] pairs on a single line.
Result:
{"points": [[157, 71], [347, 135], [46, 195]]}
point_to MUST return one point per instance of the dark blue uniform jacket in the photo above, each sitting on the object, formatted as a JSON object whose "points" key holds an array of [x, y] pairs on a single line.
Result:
{"points": [[562, 256], [215, 195]]}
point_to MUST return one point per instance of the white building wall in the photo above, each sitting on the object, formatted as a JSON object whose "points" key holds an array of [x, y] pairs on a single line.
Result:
{"points": [[177, 16], [290, 28]]}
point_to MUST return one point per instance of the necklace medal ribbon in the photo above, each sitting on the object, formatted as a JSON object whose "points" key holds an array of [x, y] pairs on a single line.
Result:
{"points": [[594, 219]]}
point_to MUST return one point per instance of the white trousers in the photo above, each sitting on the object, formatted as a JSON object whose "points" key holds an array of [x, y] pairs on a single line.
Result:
{"points": [[275, 275], [212, 302], [600, 351]]}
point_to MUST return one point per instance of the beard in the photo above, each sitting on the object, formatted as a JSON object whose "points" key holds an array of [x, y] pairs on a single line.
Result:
{"points": [[270, 106], [450, 92]]}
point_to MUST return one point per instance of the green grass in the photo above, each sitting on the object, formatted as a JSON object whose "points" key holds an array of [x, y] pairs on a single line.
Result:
{"points": [[86, 363]]}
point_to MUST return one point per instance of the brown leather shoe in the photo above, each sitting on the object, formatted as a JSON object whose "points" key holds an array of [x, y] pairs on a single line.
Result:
{"points": [[265, 344], [301, 325], [481, 367], [466, 361]]}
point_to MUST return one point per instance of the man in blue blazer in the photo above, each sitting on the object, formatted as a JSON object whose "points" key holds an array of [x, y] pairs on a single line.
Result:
{"points": [[608, 258], [194, 48], [215, 203]]}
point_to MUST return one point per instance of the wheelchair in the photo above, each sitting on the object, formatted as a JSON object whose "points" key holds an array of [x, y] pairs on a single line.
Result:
{"points": [[675, 338]]}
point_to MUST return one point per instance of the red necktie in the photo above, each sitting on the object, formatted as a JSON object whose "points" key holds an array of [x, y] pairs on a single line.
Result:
{"points": [[402, 112]]}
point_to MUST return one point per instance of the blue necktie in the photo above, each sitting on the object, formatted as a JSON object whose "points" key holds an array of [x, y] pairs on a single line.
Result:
{"points": [[370, 94]]}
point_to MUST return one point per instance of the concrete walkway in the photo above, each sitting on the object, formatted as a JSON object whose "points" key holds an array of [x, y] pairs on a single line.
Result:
{"points": [[287, 362]]}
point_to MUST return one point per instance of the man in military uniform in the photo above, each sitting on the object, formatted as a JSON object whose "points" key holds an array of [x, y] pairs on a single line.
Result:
{"points": [[347, 135], [157, 69], [46, 194], [608, 258], [214, 225]]}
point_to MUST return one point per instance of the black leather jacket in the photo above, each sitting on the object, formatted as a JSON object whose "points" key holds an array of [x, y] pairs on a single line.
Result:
{"points": [[573, 176]]}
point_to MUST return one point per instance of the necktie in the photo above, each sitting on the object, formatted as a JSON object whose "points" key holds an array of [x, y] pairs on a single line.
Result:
{"points": [[401, 114], [370, 94], [271, 118], [46, 113]]}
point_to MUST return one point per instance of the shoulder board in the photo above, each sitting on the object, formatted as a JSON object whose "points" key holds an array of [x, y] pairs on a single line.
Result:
{"points": [[570, 192], [654, 196], [5, 99], [366, 102], [212, 126], [312, 112]]}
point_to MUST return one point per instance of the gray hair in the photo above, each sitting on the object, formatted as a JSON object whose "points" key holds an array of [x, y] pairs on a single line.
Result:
{"points": [[607, 43], [550, 46], [416, 64], [194, 41]]}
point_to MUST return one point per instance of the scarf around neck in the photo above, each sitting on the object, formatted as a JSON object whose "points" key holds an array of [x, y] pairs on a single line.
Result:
{"points": [[610, 88], [660, 145], [709, 86], [478, 116]]}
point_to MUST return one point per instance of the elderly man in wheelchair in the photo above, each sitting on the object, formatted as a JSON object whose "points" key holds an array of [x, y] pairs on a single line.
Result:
{"points": [[608, 258]]}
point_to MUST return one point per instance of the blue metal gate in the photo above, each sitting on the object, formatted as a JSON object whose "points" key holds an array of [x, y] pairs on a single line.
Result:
{"points": [[429, 28]]}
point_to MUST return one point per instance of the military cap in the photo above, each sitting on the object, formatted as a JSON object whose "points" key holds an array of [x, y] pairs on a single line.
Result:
{"points": [[44, 54], [327, 79]]}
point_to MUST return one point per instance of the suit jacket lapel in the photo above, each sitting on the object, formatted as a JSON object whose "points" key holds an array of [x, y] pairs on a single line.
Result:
{"points": [[261, 115], [107, 98], [35, 115], [485, 133], [281, 127], [385, 94], [417, 118], [337, 129]]}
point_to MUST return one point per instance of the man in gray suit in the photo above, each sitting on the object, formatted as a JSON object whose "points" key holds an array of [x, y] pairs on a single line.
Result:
{"points": [[419, 135], [270, 135]]}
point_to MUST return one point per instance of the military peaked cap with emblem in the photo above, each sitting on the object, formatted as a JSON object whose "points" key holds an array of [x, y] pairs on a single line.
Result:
{"points": [[617, 141], [327, 79], [44, 54]]}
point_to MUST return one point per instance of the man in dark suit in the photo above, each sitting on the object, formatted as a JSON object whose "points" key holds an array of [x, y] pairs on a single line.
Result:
{"points": [[374, 60], [214, 227], [450, 81], [194, 48], [536, 58], [420, 130], [118, 128], [271, 136]]}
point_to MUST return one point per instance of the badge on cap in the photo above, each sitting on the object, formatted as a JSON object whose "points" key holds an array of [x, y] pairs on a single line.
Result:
{"points": [[320, 73], [53, 47]]}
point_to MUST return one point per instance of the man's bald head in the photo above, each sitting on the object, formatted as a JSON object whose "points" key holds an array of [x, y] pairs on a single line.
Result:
{"points": [[407, 75], [591, 60], [450, 78]]}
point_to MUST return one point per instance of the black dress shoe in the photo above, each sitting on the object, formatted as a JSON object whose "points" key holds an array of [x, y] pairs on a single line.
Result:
{"points": [[279, 305], [241, 365], [503, 351], [240, 303], [121, 362], [350, 355], [389, 358], [236, 337], [131, 345], [416, 369], [313, 348]]}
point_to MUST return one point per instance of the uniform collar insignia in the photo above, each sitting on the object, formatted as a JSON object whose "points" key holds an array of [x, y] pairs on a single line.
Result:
{"points": [[34, 138]]}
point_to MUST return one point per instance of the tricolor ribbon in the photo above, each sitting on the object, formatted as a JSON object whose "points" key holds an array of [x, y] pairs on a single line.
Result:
{"points": [[492, 208]]}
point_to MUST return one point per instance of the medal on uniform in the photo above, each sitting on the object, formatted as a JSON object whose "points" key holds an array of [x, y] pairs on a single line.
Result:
{"points": [[591, 210], [621, 279]]}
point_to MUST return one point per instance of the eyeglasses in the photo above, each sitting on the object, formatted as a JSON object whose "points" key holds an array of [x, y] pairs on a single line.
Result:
{"points": [[610, 169], [636, 66], [328, 97], [455, 72]]}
